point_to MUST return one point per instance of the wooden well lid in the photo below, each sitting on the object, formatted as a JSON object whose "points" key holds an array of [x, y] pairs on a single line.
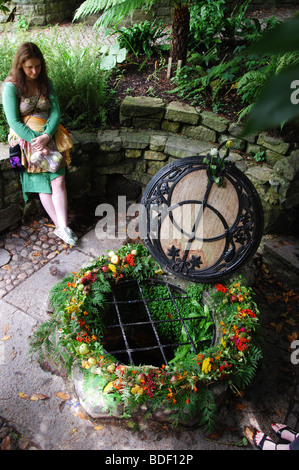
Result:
{"points": [[195, 228]]}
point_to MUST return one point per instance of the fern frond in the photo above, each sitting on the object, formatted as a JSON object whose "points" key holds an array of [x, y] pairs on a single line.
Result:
{"points": [[112, 11]]}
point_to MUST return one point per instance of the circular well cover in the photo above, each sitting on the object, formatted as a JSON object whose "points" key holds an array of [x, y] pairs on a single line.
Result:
{"points": [[195, 228]]}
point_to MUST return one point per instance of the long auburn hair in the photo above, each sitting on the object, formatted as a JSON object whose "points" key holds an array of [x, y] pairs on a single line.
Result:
{"points": [[28, 50]]}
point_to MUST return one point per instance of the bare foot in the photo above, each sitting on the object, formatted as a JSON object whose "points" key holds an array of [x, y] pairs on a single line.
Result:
{"points": [[283, 431], [264, 442]]}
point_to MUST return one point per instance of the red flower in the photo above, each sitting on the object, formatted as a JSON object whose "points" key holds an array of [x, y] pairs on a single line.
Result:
{"points": [[248, 312], [130, 260], [220, 288]]}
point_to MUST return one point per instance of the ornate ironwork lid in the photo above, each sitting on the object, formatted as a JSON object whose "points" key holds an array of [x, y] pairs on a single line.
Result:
{"points": [[201, 218]]}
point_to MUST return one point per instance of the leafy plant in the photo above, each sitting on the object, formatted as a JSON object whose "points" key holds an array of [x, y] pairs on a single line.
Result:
{"points": [[274, 106], [142, 38], [258, 156], [3, 6], [112, 55], [252, 83]]}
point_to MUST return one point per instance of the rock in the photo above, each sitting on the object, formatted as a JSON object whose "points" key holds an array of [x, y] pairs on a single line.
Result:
{"points": [[288, 167], [200, 133], [273, 143], [151, 155], [214, 121], [141, 106], [177, 111]]}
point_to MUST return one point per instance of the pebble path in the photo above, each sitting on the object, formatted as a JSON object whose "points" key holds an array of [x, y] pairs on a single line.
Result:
{"points": [[30, 247]]}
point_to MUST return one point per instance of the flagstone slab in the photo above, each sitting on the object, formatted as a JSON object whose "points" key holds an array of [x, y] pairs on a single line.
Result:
{"points": [[31, 296]]}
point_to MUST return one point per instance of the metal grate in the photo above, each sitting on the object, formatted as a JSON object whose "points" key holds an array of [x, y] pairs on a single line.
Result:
{"points": [[129, 339]]}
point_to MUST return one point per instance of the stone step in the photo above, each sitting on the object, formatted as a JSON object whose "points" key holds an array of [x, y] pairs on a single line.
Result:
{"points": [[281, 255]]}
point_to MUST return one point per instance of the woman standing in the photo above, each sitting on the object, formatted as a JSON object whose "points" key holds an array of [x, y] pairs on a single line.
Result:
{"points": [[32, 112]]}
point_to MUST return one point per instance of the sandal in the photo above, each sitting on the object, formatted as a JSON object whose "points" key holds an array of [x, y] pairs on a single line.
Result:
{"points": [[264, 439], [284, 428], [66, 235]]}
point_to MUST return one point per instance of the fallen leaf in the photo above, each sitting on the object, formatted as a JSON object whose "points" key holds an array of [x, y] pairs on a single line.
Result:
{"points": [[6, 338], [13, 354], [249, 434], [23, 395], [293, 337], [81, 415], [6, 328], [240, 406], [6, 444], [291, 322], [5, 266], [62, 395], [74, 430], [38, 396], [97, 428]]}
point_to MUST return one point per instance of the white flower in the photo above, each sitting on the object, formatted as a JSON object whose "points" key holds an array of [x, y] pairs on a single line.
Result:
{"points": [[213, 152]]}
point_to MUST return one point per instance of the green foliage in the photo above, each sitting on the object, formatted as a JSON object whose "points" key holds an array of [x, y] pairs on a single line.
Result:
{"points": [[142, 38], [4, 128], [81, 85], [112, 55], [112, 11], [274, 105], [3, 6], [253, 82], [212, 72], [212, 21]]}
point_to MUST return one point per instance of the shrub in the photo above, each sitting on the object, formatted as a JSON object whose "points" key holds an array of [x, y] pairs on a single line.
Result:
{"points": [[81, 86]]}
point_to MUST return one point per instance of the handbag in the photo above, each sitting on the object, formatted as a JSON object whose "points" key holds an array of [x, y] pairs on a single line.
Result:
{"points": [[15, 152], [15, 158]]}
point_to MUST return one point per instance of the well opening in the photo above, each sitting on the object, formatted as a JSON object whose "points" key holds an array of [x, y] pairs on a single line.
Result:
{"points": [[145, 322]]}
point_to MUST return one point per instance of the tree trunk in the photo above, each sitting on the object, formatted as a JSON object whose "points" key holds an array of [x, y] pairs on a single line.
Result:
{"points": [[180, 33]]}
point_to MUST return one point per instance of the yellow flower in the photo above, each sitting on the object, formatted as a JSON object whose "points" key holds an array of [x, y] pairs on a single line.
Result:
{"points": [[206, 366], [223, 343], [112, 267]]}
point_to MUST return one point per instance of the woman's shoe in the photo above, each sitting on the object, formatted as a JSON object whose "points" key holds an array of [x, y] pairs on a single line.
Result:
{"points": [[285, 428], [64, 234], [260, 444], [71, 233]]}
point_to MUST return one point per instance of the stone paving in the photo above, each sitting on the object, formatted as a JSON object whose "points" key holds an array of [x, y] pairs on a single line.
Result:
{"points": [[28, 249]]}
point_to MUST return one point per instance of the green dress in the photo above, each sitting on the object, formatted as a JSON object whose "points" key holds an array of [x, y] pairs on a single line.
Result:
{"points": [[16, 106]]}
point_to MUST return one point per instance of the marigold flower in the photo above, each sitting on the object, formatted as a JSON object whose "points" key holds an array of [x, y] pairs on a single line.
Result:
{"points": [[206, 365], [112, 267], [221, 288], [130, 259]]}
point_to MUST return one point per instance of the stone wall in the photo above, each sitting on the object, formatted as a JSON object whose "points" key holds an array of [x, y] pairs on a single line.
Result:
{"points": [[152, 133], [43, 12]]}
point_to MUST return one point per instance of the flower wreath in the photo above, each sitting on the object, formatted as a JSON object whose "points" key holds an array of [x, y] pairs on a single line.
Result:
{"points": [[74, 334]]}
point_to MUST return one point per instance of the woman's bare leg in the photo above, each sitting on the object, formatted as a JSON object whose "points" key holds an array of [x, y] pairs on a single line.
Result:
{"points": [[59, 199], [46, 200], [55, 205]]}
